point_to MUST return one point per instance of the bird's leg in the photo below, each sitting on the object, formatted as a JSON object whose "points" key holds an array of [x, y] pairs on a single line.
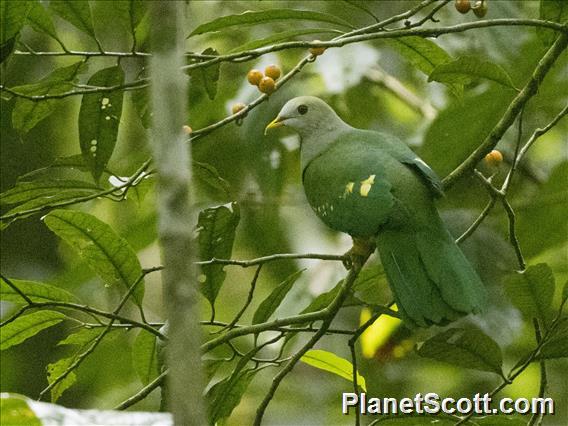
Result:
{"points": [[362, 248]]}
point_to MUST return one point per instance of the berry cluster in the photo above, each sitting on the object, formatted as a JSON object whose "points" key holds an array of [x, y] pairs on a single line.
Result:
{"points": [[265, 82]]}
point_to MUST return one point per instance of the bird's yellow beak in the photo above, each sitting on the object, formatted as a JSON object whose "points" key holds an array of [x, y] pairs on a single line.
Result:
{"points": [[277, 122]]}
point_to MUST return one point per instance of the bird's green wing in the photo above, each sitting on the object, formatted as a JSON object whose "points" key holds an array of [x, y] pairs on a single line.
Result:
{"points": [[405, 155]]}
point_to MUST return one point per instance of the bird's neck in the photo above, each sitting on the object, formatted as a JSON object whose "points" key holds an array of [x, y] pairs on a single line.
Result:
{"points": [[313, 144]]}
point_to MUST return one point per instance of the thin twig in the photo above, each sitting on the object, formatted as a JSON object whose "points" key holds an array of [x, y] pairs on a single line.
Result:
{"points": [[271, 258], [134, 85], [247, 302], [142, 393], [17, 290], [477, 221]]}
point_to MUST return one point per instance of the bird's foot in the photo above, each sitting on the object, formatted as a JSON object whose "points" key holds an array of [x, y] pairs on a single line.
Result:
{"points": [[361, 250]]}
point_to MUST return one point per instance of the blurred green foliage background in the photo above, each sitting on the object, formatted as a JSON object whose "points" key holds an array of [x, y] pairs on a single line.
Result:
{"points": [[264, 175]]}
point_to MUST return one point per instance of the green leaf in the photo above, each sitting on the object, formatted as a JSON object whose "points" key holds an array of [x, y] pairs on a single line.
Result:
{"points": [[82, 340], [555, 11], [369, 284], [425, 55], [44, 202], [28, 191], [557, 345], [269, 305], [464, 69], [145, 357], [81, 337], [465, 348], [16, 411], [209, 75], [130, 13], [26, 326], [7, 48], [565, 292], [72, 162], [328, 361], [77, 13], [13, 16], [225, 395], [28, 113], [545, 212], [107, 254], [40, 20], [141, 101], [282, 36], [36, 291], [446, 144], [99, 118], [216, 233], [251, 18], [209, 175], [531, 291]]}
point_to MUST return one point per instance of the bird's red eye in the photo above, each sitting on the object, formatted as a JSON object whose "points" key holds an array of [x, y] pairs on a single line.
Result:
{"points": [[302, 109]]}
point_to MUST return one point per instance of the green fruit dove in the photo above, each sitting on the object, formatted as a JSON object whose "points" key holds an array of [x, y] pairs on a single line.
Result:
{"points": [[371, 186]]}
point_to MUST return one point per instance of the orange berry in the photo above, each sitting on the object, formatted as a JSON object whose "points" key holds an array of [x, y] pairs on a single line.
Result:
{"points": [[237, 107], [480, 8], [254, 77], [316, 51], [267, 85], [463, 6], [187, 129], [494, 158], [272, 71]]}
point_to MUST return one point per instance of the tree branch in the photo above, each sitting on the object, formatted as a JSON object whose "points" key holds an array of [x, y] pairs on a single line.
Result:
{"points": [[330, 313], [528, 91]]}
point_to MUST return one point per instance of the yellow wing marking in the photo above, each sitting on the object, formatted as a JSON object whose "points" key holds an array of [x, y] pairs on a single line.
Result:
{"points": [[366, 185]]}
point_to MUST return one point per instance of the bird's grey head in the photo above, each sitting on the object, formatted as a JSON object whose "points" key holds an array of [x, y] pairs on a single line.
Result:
{"points": [[308, 116]]}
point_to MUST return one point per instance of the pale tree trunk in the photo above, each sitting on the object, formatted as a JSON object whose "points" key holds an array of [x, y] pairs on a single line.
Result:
{"points": [[171, 155]]}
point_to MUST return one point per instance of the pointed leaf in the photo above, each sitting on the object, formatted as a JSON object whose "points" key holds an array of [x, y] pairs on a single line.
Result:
{"points": [[28, 113], [465, 348], [40, 20], [209, 75], [27, 191], [209, 175], [269, 305], [26, 326], [282, 36], [145, 357], [531, 291], [557, 345], [466, 68], [251, 18], [36, 291], [107, 254], [216, 233], [77, 13], [328, 361], [425, 55], [13, 16], [99, 118], [555, 11]]}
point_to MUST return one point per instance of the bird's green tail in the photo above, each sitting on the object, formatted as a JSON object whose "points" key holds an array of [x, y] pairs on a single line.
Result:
{"points": [[432, 281]]}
